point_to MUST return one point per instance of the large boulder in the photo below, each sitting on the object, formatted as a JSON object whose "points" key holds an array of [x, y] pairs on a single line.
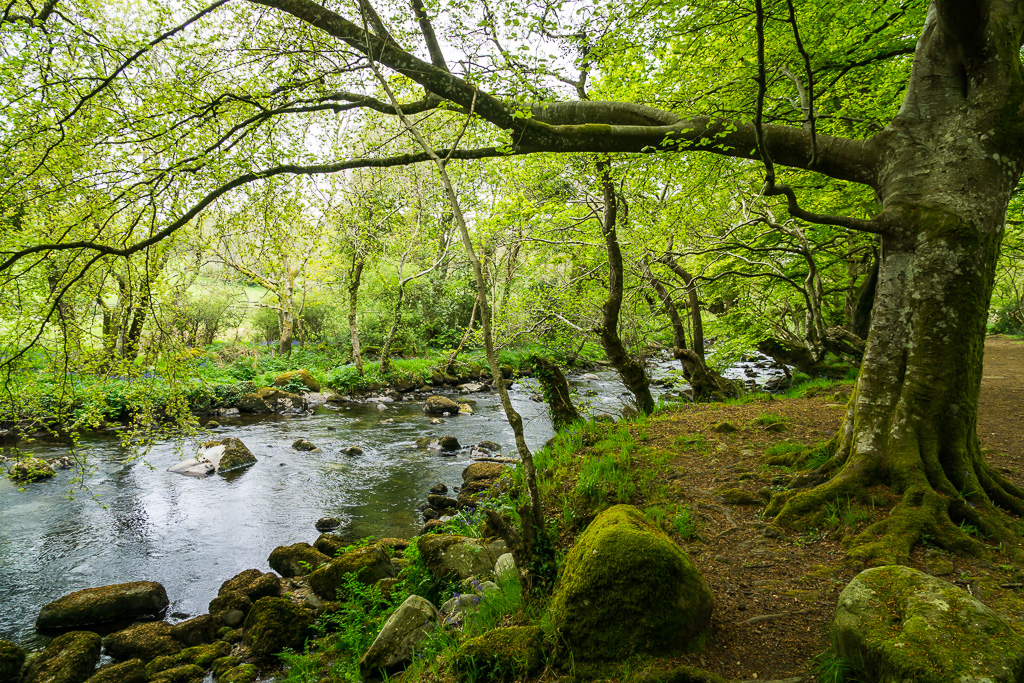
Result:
{"points": [[369, 565], [119, 602], [222, 456], [70, 658], [274, 624], [297, 376], [197, 630], [440, 405], [896, 623], [458, 557], [30, 469], [131, 671], [394, 646], [242, 590], [297, 559], [626, 587], [483, 472], [268, 400], [329, 544], [12, 658], [186, 673], [502, 654], [142, 641]]}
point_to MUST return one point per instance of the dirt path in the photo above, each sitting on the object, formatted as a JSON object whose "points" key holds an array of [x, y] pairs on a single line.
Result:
{"points": [[1001, 405]]}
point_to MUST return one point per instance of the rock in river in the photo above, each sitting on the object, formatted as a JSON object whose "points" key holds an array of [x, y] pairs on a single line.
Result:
{"points": [[30, 469], [440, 405], [70, 658], [221, 456], [119, 602]]}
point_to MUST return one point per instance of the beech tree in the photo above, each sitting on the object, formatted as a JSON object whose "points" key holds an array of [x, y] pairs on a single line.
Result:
{"points": [[940, 169]]}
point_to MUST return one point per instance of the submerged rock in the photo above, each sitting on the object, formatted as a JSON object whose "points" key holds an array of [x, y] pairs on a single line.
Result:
{"points": [[898, 624], [393, 647], [327, 523], [626, 587], [70, 658], [118, 602], [304, 445]]}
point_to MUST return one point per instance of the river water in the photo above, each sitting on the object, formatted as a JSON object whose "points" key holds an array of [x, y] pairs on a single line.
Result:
{"points": [[136, 521]]}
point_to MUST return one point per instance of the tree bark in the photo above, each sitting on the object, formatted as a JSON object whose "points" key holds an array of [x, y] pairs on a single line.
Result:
{"points": [[696, 320], [557, 394], [669, 306], [632, 373], [396, 319], [353, 297]]}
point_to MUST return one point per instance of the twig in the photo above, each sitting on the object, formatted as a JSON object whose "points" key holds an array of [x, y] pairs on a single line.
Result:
{"points": [[778, 615]]}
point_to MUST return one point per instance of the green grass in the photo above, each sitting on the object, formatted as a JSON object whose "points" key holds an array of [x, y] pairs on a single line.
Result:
{"points": [[766, 419]]}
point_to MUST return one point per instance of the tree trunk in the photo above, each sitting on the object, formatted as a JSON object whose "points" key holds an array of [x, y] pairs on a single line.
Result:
{"points": [[353, 298], [861, 319], [396, 319], [133, 336], [912, 422], [696, 321], [678, 331], [450, 365], [556, 393], [632, 373]]}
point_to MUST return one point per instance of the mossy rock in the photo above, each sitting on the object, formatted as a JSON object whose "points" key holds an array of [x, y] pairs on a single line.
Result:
{"points": [[118, 602], [12, 658], [188, 673], [204, 655], [29, 470], [725, 428], [739, 497], [131, 671], [196, 631], [252, 583], [161, 664], [626, 587], [142, 641], [223, 664], [681, 674], [369, 564], [458, 557], [236, 454], [302, 376], [69, 658], [274, 624], [297, 559], [503, 654], [329, 544], [243, 673], [227, 602], [439, 405], [898, 624]]}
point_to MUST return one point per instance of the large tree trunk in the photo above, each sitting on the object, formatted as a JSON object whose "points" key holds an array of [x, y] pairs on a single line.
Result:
{"points": [[669, 306], [696, 321], [353, 297], [953, 157], [632, 373]]}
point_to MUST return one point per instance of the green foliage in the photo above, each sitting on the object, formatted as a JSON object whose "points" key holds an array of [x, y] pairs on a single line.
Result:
{"points": [[766, 419], [684, 524]]}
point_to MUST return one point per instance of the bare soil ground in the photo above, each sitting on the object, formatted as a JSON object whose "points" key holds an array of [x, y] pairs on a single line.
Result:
{"points": [[775, 591]]}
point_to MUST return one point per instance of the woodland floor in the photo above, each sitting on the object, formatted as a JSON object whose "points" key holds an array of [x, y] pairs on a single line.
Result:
{"points": [[775, 592]]}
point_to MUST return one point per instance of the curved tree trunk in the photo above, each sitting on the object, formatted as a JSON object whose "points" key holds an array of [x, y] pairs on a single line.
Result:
{"points": [[696, 321], [556, 393], [396, 319], [678, 331], [450, 365], [353, 298], [632, 373]]}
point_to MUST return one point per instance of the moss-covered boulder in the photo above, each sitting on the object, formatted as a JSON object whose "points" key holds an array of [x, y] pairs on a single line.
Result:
{"points": [[483, 471], [440, 405], [458, 557], [118, 602], [142, 641], [204, 655], [223, 664], [266, 400], [297, 376], [297, 559], [330, 544], [274, 624], [196, 631], [504, 654], [243, 673], [30, 469], [368, 564], [188, 673], [12, 658], [626, 587], [243, 589], [161, 664], [899, 624], [394, 646], [229, 603], [236, 454], [69, 658], [131, 671]]}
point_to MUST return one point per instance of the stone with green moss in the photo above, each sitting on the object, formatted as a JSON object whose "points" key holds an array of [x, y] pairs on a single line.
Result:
{"points": [[236, 454], [142, 641], [301, 376], [681, 674], [724, 428], [329, 544], [118, 602], [196, 631], [274, 624], [458, 557], [503, 654], [30, 469], [736, 496], [69, 658], [12, 658], [243, 673], [297, 559], [161, 664], [223, 664], [626, 587], [896, 623], [369, 565], [131, 671], [188, 673], [405, 629], [204, 655]]}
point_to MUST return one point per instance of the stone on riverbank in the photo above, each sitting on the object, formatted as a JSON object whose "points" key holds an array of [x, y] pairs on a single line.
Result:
{"points": [[131, 671], [440, 405], [119, 602], [458, 557], [242, 590], [394, 645], [70, 658], [29, 470], [330, 544], [267, 400], [302, 376], [187, 673], [12, 658], [196, 631], [899, 624], [142, 641], [627, 588], [243, 673], [274, 624], [502, 654], [298, 559], [369, 564]]}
